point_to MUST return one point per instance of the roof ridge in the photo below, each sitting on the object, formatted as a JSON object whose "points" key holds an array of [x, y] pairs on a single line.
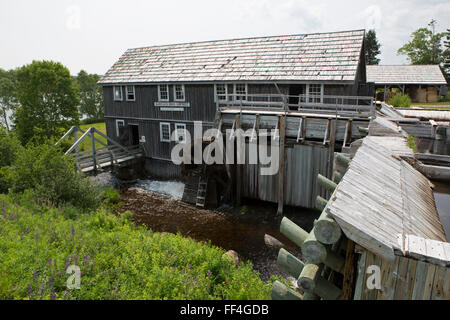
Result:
{"points": [[245, 38]]}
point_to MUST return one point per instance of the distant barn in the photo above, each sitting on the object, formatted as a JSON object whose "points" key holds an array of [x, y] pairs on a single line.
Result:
{"points": [[153, 91], [423, 83]]}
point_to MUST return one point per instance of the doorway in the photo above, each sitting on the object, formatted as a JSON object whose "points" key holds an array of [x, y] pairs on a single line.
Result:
{"points": [[294, 91], [134, 134]]}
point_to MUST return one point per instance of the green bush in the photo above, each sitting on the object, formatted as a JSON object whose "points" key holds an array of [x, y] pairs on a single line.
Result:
{"points": [[53, 177], [9, 148], [118, 260], [400, 101]]}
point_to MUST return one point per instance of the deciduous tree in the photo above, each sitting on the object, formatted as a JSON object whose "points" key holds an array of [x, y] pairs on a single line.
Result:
{"points": [[48, 98], [8, 95], [91, 95]]}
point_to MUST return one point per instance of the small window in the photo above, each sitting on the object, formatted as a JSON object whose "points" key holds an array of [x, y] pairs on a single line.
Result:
{"points": [[163, 92], [240, 91], [315, 93], [117, 93], [178, 92], [180, 132], [120, 125], [164, 131], [220, 92], [131, 96]]}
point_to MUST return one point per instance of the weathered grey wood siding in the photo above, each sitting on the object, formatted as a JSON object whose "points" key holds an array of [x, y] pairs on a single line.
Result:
{"points": [[402, 279], [302, 165]]}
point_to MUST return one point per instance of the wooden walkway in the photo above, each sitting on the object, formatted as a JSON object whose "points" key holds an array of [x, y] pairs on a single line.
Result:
{"points": [[108, 156]]}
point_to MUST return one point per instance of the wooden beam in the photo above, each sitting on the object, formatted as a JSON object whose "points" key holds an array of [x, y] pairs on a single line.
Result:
{"points": [[293, 232], [326, 183], [332, 142], [238, 167], [349, 272], [321, 203], [282, 138]]}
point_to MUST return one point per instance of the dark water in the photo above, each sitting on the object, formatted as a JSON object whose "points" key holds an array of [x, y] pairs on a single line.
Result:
{"points": [[442, 199], [240, 229]]}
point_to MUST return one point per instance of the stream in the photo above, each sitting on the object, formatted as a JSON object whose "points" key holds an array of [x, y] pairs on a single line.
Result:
{"points": [[157, 205]]}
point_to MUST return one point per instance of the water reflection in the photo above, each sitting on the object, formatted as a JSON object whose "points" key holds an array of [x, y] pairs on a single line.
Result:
{"points": [[442, 199], [432, 146]]}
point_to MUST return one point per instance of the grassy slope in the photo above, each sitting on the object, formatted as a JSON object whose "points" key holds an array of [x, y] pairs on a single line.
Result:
{"points": [[86, 144], [118, 260]]}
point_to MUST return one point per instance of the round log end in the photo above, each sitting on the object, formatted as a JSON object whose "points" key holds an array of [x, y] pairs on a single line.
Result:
{"points": [[327, 231], [314, 251]]}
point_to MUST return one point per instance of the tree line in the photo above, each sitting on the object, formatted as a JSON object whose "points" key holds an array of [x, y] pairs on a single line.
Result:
{"points": [[45, 100]]}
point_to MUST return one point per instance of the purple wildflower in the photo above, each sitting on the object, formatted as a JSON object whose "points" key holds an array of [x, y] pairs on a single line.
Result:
{"points": [[21, 238], [53, 295], [66, 265], [190, 266], [29, 291], [66, 294], [75, 259], [73, 230], [182, 272], [50, 283], [35, 276], [49, 260], [209, 273]]}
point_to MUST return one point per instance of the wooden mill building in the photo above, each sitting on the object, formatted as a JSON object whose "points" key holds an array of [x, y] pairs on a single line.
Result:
{"points": [[423, 83], [151, 92]]}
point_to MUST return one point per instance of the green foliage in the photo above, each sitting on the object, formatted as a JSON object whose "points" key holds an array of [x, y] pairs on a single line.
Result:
{"points": [[425, 47], [48, 99], [400, 101], [91, 95], [110, 195], [412, 143], [53, 177], [372, 48], [9, 148], [118, 260], [8, 94]]}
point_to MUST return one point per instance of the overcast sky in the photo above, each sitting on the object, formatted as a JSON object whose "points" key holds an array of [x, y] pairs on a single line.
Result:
{"points": [[93, 34]]}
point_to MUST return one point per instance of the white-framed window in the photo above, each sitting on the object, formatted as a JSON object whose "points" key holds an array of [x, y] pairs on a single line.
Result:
{"points": [[315, 93], [240, 91], [163, 92], [117, 92], [180, 132], [120, 125], [130, 93], [178, 92], [164, 131], [220, 92]]}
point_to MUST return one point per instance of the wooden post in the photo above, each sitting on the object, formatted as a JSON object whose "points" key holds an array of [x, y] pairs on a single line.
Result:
{"points": [[326, 230], [331, 147], [321, 203], [337, 176], [349, 271], [289, 263], [418, 96], [313, 250], [282, 127], [293, 232], [281, 292], [94, 158], [345, 161], [307, 279], [326, 183], [238, 171]]}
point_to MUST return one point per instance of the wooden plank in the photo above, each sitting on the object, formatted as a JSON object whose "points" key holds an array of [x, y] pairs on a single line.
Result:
{"points": [[389, 271], [401, 284], [361, 276], [441, 285], [331, 148], [349, 271], [281, 172]]}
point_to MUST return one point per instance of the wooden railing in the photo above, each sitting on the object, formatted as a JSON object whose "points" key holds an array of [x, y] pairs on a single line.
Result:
{"points": [[97, 158], [336, 105]]}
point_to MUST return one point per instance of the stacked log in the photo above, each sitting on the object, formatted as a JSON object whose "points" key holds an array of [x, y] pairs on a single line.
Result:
{"points": [[319, 247]]}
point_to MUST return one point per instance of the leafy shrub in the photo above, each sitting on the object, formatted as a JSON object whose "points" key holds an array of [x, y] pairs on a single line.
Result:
{"points": [[9, 146], [53, 177], [400, 101], [118, 260]]}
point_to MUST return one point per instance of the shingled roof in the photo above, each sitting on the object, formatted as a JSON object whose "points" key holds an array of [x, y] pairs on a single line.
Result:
{"points": [[414, 74], [304, 57]]}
